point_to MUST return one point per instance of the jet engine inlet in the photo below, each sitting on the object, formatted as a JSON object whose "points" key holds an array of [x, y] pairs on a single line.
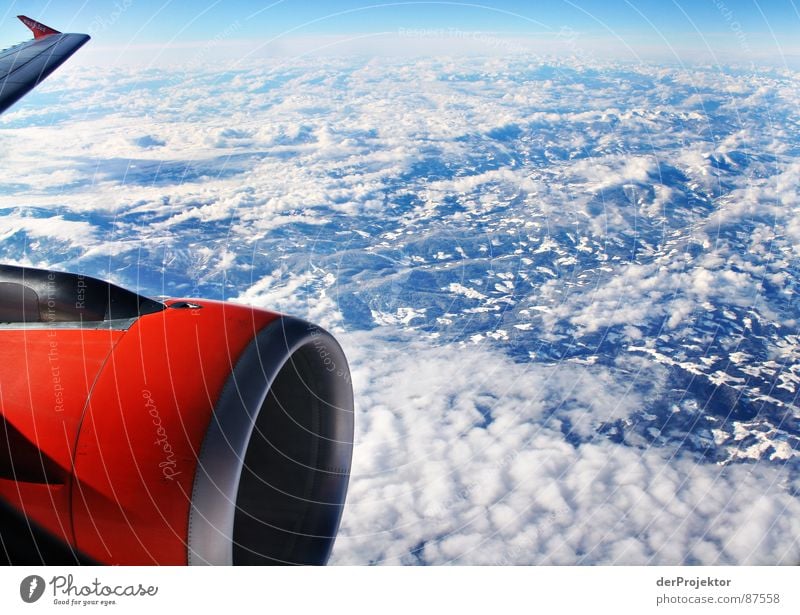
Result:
{"points": [[273, 470]]}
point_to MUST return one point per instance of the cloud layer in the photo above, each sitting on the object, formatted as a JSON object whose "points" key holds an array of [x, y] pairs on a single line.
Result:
{"points": [[566, 288]]}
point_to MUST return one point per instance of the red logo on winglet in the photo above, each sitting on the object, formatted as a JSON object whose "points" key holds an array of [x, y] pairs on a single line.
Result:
{"points": [[39, 29]]}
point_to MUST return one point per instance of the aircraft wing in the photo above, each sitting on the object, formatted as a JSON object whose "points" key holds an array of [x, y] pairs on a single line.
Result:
{"points": [[24, 66]]}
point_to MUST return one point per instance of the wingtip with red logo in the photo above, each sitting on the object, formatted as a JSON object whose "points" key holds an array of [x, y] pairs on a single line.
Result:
{"points": [[39, 29]]}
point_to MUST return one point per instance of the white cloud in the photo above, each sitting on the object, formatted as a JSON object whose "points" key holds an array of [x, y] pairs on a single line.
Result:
{"points": [[545, 274], [432, 482]]}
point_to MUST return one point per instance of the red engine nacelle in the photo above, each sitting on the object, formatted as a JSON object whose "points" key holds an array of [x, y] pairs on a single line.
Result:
{"points": [[134, 431]]}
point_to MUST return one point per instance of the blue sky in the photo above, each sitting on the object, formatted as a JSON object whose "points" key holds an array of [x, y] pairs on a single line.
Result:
{"points": [[770, 25]]}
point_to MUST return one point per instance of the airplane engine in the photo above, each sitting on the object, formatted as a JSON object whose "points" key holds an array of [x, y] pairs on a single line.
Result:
{"points": [[136, 431]]}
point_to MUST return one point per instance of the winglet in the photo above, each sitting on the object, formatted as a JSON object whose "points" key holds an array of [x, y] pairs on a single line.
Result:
{"points": [[39, 29]]}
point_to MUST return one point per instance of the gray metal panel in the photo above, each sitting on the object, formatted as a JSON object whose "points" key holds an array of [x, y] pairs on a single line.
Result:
{"points": [[25, 66], [119, 324]]}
